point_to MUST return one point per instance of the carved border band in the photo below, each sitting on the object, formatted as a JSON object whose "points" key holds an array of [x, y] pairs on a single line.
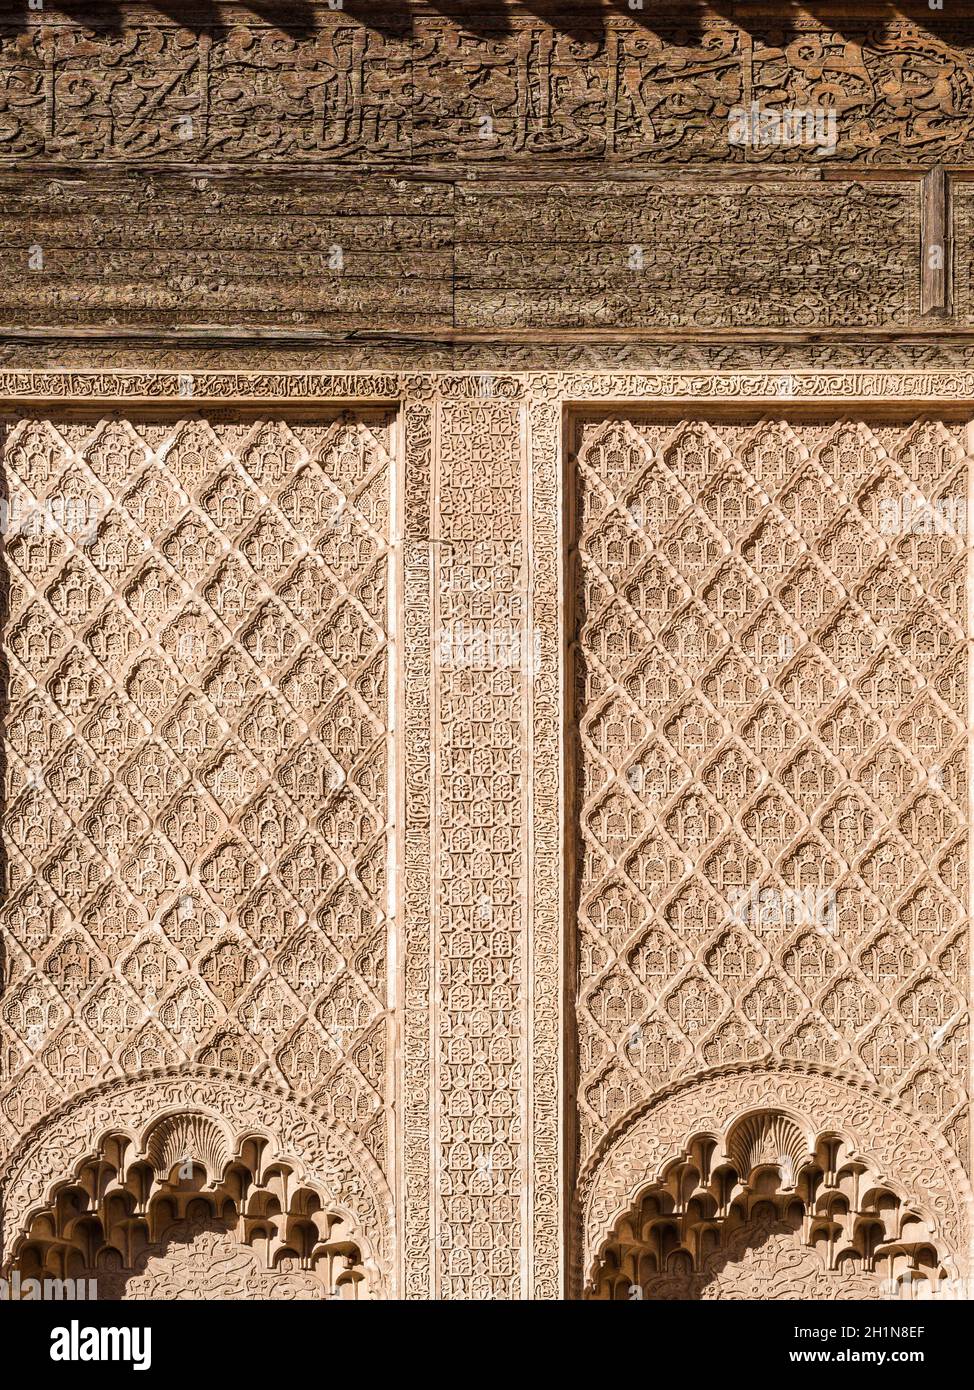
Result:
{"points": [[415, 889], [546, 937], [786, 387]]}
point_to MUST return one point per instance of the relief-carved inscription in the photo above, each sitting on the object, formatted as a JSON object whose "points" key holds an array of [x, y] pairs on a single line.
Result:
{"points": [[196, 821], [619, 90], [770, 676]]}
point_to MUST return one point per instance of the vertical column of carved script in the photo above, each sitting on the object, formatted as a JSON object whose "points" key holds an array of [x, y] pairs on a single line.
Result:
{"points": [[480, 653], [348, 92], [416, 1013], [545, 868], [771, 696], [196, 749]]}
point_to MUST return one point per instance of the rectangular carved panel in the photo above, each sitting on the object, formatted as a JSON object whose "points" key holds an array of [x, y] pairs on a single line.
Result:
{"points": [[481, 930], [686, 254], [197, 814], [166, 250], [771, 811], [480, 641], [169, 249]]}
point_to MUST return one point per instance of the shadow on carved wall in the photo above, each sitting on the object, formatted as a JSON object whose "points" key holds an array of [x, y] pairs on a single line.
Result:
{"points": [[586, 22], [161, 1226]]}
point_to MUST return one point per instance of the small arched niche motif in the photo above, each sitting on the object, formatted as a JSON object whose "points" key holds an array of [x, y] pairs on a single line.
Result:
{"points": [[770, 1213], [193, 1215]]}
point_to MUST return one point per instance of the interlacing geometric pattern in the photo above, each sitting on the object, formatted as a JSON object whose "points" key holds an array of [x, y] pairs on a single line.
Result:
{"points": [[772, 1216], [482, 659], [196, 820], [770, 678]]}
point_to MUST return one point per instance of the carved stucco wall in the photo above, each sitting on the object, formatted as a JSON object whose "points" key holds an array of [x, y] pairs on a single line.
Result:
{"points": [[187, 187], [770, 675], [484, 923], [226, 520], [198, 809], [772, 687]]}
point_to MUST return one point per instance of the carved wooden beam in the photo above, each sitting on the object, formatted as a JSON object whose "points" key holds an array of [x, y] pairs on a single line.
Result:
{"points": [[935, 251]]}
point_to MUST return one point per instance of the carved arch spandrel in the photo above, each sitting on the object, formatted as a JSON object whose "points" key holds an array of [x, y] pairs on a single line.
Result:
{"points": [[766, 1213], [917, 1166], [219, 1114]]}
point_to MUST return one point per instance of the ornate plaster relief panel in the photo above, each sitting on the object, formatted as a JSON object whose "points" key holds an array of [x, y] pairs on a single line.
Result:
{"points": [[770, 686], [474, 1027], [468, 1197], [197, 749]]}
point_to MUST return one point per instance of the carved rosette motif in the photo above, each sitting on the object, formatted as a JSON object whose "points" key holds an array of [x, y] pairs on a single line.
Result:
{"points": [[197, 794]]}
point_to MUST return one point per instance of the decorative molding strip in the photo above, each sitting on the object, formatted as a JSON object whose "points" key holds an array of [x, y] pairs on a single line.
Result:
{"points": [[415, 1078], [546, 931], [167, 254], [594, 354], [194, 389]]}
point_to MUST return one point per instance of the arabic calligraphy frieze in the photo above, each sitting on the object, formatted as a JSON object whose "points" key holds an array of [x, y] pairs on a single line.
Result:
{"points": [[636, 92]]}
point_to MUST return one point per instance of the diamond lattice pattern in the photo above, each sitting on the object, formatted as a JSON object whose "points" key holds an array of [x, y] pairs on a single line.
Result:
{"points": [[770, 678]]}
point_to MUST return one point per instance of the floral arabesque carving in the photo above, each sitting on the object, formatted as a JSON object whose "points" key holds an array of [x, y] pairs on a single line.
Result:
{"points": [[168, 1140]]}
